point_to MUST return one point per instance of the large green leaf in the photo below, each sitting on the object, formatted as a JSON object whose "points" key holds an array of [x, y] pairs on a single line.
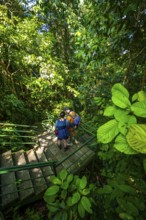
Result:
{"points": [[85, 192], [140, 96], [63, 174], [118, 87], [83, 182], [131, 120], [65, 185], [136, 137], [120, 100], [70, 178], [81, 210], [75, 198], [120, 96], [122, 145], [122, 128], [107, 132], [109, 111], [52, 190], [134, 97], [139, 109], [55, 180], [86, 204], [63, 194], [121, 115]]}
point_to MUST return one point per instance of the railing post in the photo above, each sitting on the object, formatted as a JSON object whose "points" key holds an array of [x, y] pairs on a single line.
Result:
{"points": [[54, 168]]}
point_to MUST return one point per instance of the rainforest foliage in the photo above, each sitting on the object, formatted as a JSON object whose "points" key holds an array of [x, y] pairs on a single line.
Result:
{"points": [[89, 55]]}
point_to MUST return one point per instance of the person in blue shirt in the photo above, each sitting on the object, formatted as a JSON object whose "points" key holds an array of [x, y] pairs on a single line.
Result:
{"points": [[62, 130]]}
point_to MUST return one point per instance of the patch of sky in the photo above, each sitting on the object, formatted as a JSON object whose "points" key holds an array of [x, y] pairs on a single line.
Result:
{"points": [[28, 4], [124, 17], [44, 28]]}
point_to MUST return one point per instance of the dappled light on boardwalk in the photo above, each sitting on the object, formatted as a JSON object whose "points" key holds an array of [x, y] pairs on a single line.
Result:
{"points": [[42, 161]]}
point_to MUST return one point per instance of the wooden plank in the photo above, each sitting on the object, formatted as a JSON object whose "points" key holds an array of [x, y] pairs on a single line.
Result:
{"points": [[51, 157], [8, 182], [23, 176], [36, 173], [47, 171]]}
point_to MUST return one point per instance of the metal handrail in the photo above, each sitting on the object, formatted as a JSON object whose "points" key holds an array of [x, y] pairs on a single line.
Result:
{"points": [[4, 170], [52, 164], [18, 125]]}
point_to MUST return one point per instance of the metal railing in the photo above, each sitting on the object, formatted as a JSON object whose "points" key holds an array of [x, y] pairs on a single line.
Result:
{"points": [[84, 128]]}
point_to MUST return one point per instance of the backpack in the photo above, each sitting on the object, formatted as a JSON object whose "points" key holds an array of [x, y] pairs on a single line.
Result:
{"points": [[77, 119]]}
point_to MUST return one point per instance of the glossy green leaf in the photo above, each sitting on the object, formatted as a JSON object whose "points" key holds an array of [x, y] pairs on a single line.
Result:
{"points": [[109, 111], [55, 180], [121, 115], [85, 192], [136, 137], [120, 100], [107, 132], [140, 96], [52, 190], [86, 204], [122, 145], [118, 87], [120, 96], [69, 201], [65, 185], [63, 174], [75, 198], [53, 207], [49, 199], [139, 109], [122, 128], [131, 120], [70, 178], [83, 182], [134, 97], [63, 194], [81, 210]]}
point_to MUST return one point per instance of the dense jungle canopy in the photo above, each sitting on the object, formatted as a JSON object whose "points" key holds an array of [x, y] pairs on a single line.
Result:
{"points": [[56, 53], [60, 53]]}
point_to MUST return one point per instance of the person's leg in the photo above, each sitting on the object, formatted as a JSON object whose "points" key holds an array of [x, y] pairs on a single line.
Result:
{"points": [[65, 144], [59, 143], [72, 135]]}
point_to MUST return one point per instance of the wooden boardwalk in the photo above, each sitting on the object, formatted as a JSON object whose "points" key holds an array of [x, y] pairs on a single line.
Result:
{"points": [[19, 187]]}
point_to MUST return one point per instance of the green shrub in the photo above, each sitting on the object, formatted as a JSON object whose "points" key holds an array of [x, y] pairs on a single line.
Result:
{"points": [[68, 197]]}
